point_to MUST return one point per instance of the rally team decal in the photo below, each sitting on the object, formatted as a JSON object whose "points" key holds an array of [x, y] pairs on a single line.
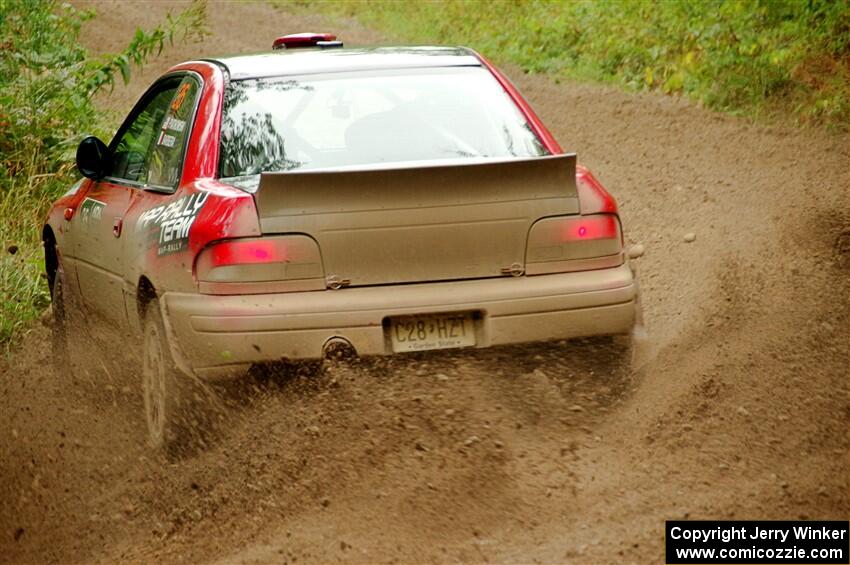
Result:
{"points": [[91, 210], [168, 225]]}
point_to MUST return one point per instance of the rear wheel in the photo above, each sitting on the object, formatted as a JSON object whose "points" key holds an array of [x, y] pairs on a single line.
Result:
{"points": [[179, 410], [156, 375], [639, 335]]}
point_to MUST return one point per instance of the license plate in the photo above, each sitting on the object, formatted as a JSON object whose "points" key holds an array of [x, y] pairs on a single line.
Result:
{"points": [[436, 331]]}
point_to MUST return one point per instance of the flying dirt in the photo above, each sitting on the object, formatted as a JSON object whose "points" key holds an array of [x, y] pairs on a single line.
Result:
{"points": [[736, 404]]}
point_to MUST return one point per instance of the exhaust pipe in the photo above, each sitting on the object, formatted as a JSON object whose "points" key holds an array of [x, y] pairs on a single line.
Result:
{"points": [[338, 348]]}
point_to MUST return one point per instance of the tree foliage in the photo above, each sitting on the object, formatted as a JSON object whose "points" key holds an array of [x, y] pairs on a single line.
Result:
{"points": [[742, 56], [47, 81]]}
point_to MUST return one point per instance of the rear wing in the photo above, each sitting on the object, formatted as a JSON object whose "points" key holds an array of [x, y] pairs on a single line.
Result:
{"points": [[283, 195]]}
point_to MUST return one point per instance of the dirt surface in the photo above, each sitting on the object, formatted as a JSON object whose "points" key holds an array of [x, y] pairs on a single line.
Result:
{"points": [[737, 408]]}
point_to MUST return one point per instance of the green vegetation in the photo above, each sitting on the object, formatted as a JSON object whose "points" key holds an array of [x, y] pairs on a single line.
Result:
{"points": [[744, 56], [47, 80]]}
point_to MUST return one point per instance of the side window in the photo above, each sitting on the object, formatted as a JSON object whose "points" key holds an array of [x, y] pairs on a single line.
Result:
{"points": [[166, 159], [130, 155], [150, 149]]}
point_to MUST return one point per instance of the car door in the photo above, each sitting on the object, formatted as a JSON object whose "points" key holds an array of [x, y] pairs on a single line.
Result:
{"points": [[140, 159]]}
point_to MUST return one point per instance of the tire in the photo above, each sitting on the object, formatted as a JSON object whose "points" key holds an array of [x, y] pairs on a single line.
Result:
{"points": [[74, 352], [639, 336], [180, 411], [59, 328]]}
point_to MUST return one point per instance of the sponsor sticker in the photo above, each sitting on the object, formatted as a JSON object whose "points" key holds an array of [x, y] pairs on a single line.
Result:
{"points": [[181, 96], [91, 210], [168, 225], [166, 139], [174, 124]]}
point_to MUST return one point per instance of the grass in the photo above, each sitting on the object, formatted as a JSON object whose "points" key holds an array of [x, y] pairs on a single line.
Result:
{"points": [[47, 81], [751, 57]]}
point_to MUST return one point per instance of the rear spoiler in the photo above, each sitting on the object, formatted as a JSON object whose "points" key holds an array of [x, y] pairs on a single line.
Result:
{"points": [[369, 188]]}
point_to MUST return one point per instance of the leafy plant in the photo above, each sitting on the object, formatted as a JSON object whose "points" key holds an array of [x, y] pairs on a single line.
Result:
{"points": [[47, 81], [742, 56]]}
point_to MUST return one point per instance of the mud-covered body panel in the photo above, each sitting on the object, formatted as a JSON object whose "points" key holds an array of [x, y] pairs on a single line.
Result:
{"points": [[218, 332], [402, 225]]}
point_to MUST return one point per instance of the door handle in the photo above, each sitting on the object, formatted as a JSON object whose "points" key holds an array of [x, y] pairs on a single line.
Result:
{"points": [[116, 227]]}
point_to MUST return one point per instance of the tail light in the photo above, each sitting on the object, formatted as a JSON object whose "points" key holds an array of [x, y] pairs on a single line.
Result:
{"points": [[592, 195], [574, 243], [289, 263]]}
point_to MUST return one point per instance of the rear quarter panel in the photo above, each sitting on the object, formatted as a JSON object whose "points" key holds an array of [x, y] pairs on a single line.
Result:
{"points": [[165, 233], [161, 229]]}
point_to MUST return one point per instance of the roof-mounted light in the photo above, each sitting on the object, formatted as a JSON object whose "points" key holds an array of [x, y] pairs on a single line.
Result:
{"points": [[296, 40]]}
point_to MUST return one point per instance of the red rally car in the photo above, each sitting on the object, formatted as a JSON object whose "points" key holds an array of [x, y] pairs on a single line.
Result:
{"points": [[253, 209]]}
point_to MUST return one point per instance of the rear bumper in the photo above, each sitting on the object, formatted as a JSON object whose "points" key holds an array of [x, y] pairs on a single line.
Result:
{"points": [[210, 332]]}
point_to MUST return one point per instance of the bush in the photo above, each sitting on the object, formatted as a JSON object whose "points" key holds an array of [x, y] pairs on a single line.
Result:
{"points": [[47, 80], [743, 56]]}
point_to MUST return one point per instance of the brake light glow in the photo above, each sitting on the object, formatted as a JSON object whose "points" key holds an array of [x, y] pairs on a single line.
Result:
{"points": [[574, 243], [587, 228], [285, 263], [247, 252]]}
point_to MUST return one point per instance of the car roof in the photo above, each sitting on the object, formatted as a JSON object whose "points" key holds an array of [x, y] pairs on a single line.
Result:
{"points": [[285, 62]]}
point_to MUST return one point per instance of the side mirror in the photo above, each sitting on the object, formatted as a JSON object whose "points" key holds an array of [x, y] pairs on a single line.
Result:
{"points": [[93, 158]]}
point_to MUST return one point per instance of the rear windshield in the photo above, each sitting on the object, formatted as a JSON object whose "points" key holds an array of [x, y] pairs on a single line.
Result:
{"points": [[347, 119]]}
